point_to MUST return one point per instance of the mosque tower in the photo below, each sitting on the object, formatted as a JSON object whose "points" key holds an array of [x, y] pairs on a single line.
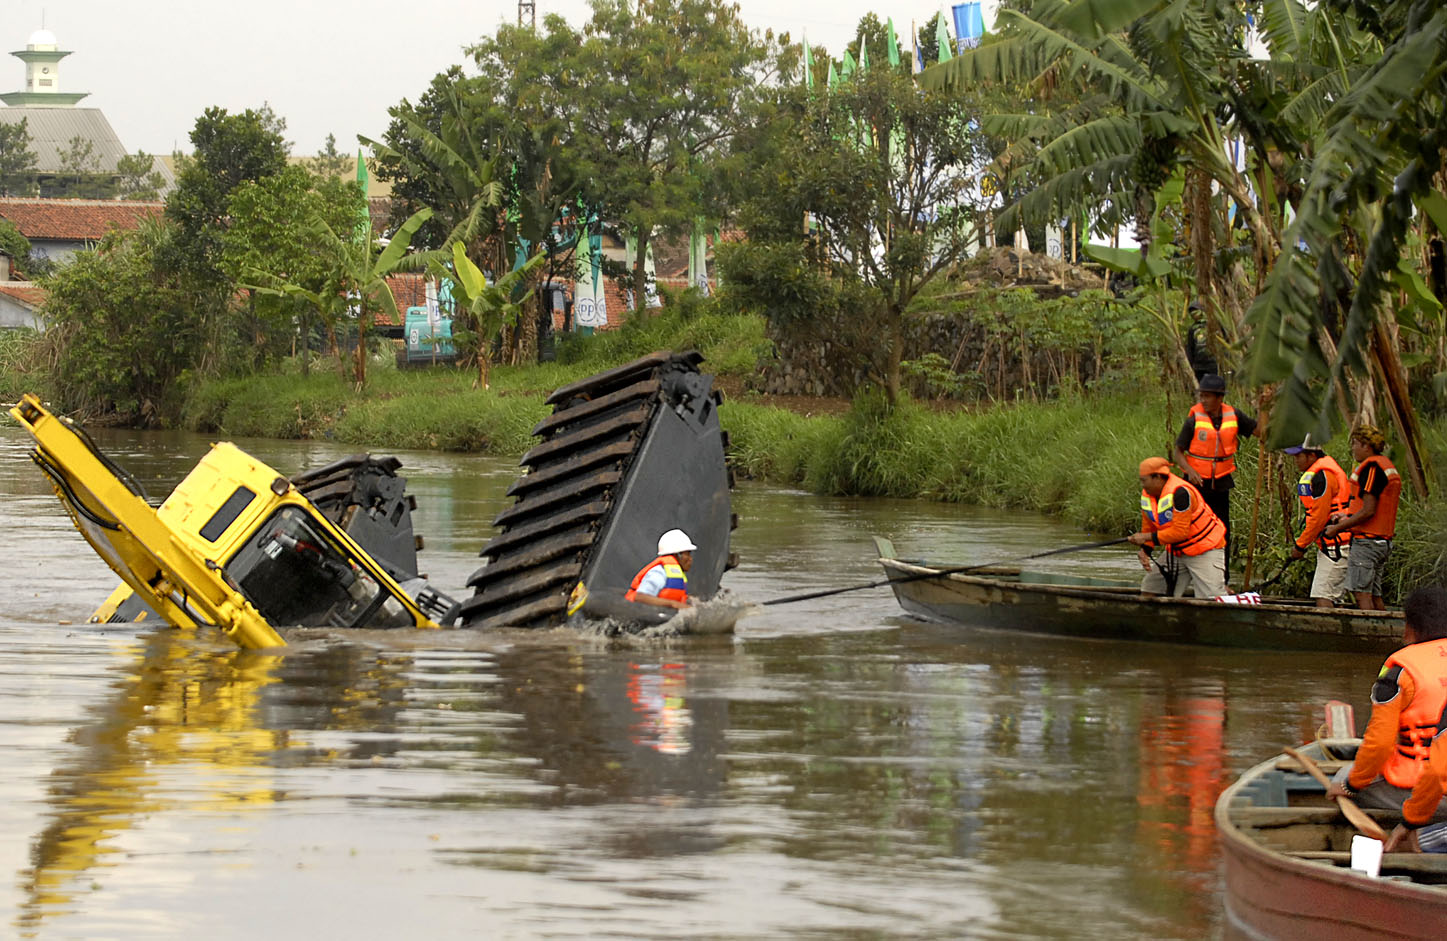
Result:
{"points": [[42, 56]]}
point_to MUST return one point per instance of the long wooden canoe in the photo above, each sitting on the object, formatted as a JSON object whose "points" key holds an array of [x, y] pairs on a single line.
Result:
{"points": [[1287, 852], [1009, 599]]}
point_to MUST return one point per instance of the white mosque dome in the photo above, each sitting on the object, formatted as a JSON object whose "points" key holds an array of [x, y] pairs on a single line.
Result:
{"points": [[41, 39]]}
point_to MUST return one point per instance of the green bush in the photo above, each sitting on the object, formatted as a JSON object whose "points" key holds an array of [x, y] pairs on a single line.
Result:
{"points": [[732, 344], [22, 367]]}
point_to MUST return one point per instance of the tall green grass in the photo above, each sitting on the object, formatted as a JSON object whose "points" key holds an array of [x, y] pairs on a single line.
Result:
{"points": [[732, 344], [22, 366]]}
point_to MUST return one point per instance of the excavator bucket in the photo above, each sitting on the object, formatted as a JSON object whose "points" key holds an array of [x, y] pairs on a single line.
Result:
{"points": [[627, 455]]}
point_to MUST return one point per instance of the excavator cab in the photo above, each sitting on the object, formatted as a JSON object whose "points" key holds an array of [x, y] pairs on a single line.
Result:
{"points": [[294, 572]]}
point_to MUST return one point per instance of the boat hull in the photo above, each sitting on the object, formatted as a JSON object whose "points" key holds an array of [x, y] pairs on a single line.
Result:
{"points": [[1271, 895], [1093, 612]]}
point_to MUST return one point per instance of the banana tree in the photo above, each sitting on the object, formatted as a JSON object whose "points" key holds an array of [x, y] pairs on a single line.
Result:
{"points": [[488, 307], [361, 265]]}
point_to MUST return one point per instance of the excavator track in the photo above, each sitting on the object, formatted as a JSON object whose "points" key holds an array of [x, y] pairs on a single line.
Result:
{"points": [[626, 455]]}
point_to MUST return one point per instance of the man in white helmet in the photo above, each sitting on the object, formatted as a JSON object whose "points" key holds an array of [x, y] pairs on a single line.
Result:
{"points": [[664, 581]]}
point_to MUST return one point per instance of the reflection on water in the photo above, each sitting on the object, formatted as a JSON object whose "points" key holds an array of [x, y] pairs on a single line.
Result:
{"points": [[834, 769]]}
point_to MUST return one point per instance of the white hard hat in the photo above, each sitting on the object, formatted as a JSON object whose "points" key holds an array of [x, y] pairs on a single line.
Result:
{"points": [[675, 541]]}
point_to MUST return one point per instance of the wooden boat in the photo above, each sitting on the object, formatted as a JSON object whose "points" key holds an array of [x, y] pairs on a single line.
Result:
{"points": [[1009, 599], [1287, 853]]}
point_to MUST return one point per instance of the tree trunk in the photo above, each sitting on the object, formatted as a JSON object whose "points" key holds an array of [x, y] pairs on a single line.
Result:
{"points": [[1404, 415], [360, 360], [896, 342], [528, 329], [640, 272]]}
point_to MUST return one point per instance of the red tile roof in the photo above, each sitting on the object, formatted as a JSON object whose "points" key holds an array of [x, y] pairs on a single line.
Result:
{"points": [[26, 292], [75, 219]]}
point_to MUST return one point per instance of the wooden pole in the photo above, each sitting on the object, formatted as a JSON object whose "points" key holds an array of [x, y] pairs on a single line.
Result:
{"points": [[1262, 456]]}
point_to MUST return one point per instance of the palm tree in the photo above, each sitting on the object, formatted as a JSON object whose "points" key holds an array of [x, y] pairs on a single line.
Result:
{"points": [[361, 266]]}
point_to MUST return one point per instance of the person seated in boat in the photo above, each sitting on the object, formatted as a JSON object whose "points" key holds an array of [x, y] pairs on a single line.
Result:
{"points": [[664, 581], [1322, 489], [1174, 515], [1407, 703], [1418, 833], [1372, 516]]}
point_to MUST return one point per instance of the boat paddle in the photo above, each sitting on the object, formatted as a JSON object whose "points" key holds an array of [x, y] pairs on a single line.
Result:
{"points": [[1349, 808], [938, 573]]}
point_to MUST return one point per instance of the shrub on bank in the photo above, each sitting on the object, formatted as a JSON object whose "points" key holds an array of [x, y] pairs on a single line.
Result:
{"points": [[22, 367], [732, 344]]}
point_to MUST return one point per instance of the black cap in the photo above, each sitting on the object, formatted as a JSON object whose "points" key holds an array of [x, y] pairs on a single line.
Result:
{"points": [[1213, 383]]}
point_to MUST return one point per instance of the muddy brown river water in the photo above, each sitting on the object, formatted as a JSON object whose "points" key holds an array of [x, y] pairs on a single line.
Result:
{"points": [[835, 769]]}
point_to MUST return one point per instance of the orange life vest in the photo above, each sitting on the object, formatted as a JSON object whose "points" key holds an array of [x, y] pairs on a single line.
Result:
{"points": [[674, 589], [1204, 529], [1213, 451], [1383, 523], [1341, 496], [1417, 725]]}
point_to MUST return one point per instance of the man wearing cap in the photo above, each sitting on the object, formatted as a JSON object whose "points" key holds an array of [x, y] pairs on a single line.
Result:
{"points": [[1206, 447], [1371, 518], [1322, 489], [663, 582], [1174, 515]]}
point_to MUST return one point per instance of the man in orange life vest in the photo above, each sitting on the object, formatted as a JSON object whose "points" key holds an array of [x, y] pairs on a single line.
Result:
{"points": [[1322, 489], [1407, 703], [664, 581], [1206, 447], [1174, 515], [1371, 518]]}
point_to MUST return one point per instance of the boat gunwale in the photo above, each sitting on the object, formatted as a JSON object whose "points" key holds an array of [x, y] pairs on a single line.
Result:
{"points": [[1102, 592]]}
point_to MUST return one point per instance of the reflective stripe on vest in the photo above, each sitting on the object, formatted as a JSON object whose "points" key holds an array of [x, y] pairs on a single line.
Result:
{"points": [[1213, 452], [1205, 529], [1382, 523], [1341, 495], [674, 589], [1426, 663]]}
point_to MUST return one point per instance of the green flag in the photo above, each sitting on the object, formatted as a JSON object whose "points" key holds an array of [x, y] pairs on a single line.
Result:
{"points": [[893, 50], [364, 218], [846, 70], [863, 55], [833, 79], [808, 66], [942, 38]]}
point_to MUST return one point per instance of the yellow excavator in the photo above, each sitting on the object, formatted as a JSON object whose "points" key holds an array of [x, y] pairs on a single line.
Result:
{"points": [[627, 454], [236, 545]]}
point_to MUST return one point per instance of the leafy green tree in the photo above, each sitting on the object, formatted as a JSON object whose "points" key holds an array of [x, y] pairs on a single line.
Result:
{"points": [[121, 323], [856, 208], [652, 93], [331, 162], [79, 173], [272, 232], [230, 149], [17, 160], [139, 178]]}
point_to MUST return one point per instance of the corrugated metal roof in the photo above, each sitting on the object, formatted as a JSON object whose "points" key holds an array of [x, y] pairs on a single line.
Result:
{"points": [[52, 129]]}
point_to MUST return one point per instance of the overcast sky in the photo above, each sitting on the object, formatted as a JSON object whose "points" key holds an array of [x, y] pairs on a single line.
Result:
{"points": [[326, 67]]}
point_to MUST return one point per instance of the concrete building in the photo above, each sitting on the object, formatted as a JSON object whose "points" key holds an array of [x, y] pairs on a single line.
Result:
{"points": [[53, 120]]}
